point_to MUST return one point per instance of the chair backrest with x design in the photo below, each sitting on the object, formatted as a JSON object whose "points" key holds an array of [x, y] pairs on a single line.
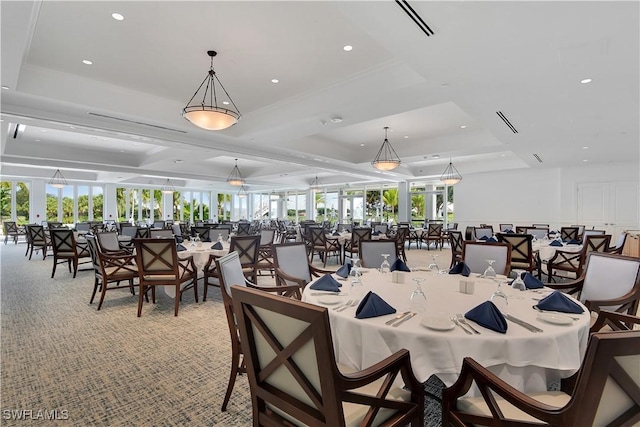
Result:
{"points": [[36, 235], [596, 243], [521, 249], [10, 227], [203, 233], [266, 236], [63, 242], [247, 248], [358, 234], [243, 228], [569, 233], [434, 231]]}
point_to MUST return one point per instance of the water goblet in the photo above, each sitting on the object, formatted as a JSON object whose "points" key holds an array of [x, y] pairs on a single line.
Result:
{"points": [[385, 267], [418, 300], [498, 293], [220, 238], [357, 288], [434, 264], [518, 283], [489, 273]]}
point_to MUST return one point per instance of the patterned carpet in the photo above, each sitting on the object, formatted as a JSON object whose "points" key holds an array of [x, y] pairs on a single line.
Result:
{"points": [[63, 359]]}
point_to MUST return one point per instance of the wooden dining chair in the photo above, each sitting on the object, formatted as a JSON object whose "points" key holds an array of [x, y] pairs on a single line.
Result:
{"points": [[521, 250], [243, 229], [371, 252], [110, 270], [455, 241], [37, 239], [265, 254], [294, 378], [613, 321], [617, 249], [66, 249], [352, 246], [292, 266], [108, 243], [159, 265], [480, 232], [506, 227], [434, 234], [573, 262], [161, 233], [11, 230], [248, 248], [476, 254], [231, 274], [609, 281], [204, 233], [604, 392], [540, 233], [323, 246], [401, 236], [569, 233]]}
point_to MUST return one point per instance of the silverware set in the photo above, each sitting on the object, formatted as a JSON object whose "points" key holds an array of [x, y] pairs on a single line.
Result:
{"points": [[350, 303], [460, 318], [400, 319], [454, 319], [522, 323]]}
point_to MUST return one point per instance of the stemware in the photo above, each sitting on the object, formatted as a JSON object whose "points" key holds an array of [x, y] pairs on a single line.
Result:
{"points": [[434, 264], [518, 283], [498, 293], [357, 288], [385, 267], [220, 238], [418, 299], [489, 273]]}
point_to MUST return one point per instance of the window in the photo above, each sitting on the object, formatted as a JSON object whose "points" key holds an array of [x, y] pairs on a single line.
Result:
{"points": [[83, 203], [122, 213], [157, 205], [146, 206], [6, 196], [52, 203], [67, 205], [22, 203], [97, 198], [224, 207]]}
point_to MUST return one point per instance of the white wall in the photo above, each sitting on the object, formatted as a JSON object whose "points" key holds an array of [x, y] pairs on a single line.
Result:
{"points": [[525, 196]]}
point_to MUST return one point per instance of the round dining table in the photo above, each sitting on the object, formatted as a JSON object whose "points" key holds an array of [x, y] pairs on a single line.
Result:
{"points": [[527, 360], [546, 251]]}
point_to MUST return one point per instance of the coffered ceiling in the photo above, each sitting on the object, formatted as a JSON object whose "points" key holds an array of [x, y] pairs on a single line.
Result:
{"points": [[444, 96]]}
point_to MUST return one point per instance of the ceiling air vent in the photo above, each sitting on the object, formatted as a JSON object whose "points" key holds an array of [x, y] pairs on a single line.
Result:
{"points": [[17, 133], [135, 122], [406, 7], [506, 121], [537, 157]]}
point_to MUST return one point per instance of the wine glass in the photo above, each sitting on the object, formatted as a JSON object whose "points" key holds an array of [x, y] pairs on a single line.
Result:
{"points": [[357, 289], [385, 267], [489, 273], [518, 283], [418, 298], [220, 238], [498, 293], [434, 264]]}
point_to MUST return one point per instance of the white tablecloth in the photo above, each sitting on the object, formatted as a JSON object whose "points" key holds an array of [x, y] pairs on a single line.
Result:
{"points": [[547, 252], [525, 359]]}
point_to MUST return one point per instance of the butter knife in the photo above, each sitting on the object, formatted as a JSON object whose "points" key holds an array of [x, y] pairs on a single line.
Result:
{"points": [[522, 323], [395, 325], [399, 316]]}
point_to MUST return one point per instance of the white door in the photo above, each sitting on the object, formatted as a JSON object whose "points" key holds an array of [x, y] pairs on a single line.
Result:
{"points": [[609, 206]]}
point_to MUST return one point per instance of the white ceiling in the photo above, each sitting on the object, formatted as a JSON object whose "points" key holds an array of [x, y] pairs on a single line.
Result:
{"points": [[119, 119]]}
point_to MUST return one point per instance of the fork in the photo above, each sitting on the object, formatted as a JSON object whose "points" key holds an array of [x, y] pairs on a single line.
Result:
{"points": [[454, 319], [346, 304], [353, 304], [462, 320]]}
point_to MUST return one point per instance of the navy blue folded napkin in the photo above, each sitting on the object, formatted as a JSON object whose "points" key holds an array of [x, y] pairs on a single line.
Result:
{"points": [[485, 238], [180, 248], [555, 243], [558, 301], [373, 306], [335, 233], [344, 271], [460, 268], [531, 281], [509, 231], [488, 315], [399, 265], [573, 242], [326, 283], [217, 246], [375, 233], [492, 239]]}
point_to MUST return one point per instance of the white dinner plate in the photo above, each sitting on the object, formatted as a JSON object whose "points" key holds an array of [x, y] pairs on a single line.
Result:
{"points": [[330, 300], [555, 318], [437, 323]]}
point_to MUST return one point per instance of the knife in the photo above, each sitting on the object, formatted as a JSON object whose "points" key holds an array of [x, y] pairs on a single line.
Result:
{"points": [[399, 316], [522, 323], [404, 320]]}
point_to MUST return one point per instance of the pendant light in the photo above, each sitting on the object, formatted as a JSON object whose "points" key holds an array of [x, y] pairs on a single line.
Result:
{"points": [[315, 184], [451, 176], [167, 187], [235, 177], [243, 192], [58, 180], [386, 159], [207, 114]]}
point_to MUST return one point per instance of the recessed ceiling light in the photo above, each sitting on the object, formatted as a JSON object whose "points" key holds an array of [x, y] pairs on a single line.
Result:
{"points": [[347, 48], [37, 140], [463, 127], [177, 161], [117, 16], [406, 136], [585, 148], [585, 160], [275, 81], [5, 87], [43, 130], [361, 145], [225, 102], [87, 62], [585, 81], [436, 156]]}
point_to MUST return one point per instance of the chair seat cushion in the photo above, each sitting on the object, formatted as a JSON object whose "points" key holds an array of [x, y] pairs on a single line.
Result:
{"points": [[477, 406], [117, 272], [159, 277]]}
